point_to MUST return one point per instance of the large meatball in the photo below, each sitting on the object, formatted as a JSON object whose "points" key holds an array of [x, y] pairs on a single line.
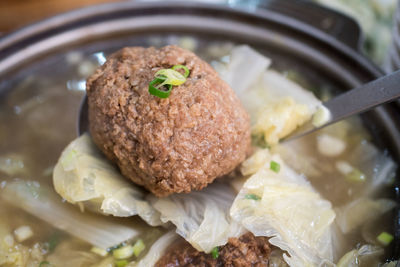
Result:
{"points": [[178, 144]]}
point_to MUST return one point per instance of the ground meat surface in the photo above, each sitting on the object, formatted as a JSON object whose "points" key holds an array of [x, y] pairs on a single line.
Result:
{"points": [[247, 250], [178, 144]]}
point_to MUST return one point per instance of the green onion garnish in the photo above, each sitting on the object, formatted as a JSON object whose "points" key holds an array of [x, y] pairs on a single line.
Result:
{"points": [[385, 238], [168, 78], [215, 253], [153, 88], [121, 263], [99, 251], [275, 166], [178, 67], [252, 196], [138, 247], [123, 252], [171, 76]]}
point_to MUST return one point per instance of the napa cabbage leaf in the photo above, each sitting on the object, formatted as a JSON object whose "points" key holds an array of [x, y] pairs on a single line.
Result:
{"points": [[84, 176], [287, 209], [201, 217]]}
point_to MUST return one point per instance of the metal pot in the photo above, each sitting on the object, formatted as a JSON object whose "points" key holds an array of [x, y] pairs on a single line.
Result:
{"points": [[321, 44]]}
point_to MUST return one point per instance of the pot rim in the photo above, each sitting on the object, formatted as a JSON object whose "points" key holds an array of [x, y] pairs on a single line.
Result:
{"points": [[23, 37]]}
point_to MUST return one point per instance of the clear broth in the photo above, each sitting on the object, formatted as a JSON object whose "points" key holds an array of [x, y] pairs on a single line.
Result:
{"points": [[38, 119]]}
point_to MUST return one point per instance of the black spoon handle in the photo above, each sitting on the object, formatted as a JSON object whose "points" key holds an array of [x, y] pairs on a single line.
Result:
{"points": [[365, 97], [356, 101]]}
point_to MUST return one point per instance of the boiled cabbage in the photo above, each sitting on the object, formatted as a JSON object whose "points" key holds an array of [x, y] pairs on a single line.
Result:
{"points": [[201, 217], [254, 163], [83, 175], [156, 251], [67, 254], [278, 119], [285, 207], [43, 203], [366, 254], [248, 63], [277, 106]]}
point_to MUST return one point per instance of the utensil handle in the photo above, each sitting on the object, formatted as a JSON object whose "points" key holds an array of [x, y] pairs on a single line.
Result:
{"points": [[365, 97]]}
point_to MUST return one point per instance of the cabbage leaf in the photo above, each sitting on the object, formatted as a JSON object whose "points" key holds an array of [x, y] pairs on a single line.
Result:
{"points": [[367, 254], [248, 63], [277, 105], [42, 202], [201, 217], [288, 210], [83, 175], [157, 250]]}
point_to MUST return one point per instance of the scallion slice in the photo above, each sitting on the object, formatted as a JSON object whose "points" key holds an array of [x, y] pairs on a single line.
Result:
{"points": [[168, 78], [275, 166], [123, 252], [138, 247], [154, 85], [172, 77], [185, 69], [252, 196], [385, 238], [121, 263], [215, 253], [99, 251]]}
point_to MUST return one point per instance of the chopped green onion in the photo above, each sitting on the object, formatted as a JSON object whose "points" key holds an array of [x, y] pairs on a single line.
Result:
{"points": [[123, 252], [275, 166], [215, 253], [356, 176], [385, 238], [252, 196], [177, 67], [153, 88], [99, 251], [167, 77], [259, 140], [121, 263], [45, 264], [138, 247], [172, 77]]}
